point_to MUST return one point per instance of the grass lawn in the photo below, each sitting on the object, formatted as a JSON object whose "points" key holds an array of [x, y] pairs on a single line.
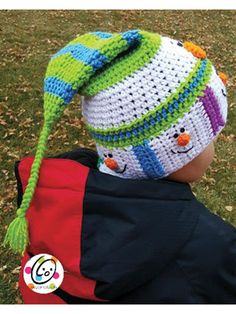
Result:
{"points": [[29, 38]]}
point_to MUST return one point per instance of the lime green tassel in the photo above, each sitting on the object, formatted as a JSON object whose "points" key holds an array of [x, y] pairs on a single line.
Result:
{"points": [[17, 235]]}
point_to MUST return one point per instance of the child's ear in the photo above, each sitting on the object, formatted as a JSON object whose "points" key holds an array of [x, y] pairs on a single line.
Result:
{"points": [[224, 78]]}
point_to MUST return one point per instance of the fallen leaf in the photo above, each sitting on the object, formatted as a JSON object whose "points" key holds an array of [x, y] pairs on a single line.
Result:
{"points": [[16, 270], [3, 267], [229, 208]]}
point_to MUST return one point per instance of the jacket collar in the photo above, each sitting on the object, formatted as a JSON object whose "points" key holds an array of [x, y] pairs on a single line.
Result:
{"points": [[143, 188]]}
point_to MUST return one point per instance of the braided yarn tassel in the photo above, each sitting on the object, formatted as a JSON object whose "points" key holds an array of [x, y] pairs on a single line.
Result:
{"points": [[17, 234]]}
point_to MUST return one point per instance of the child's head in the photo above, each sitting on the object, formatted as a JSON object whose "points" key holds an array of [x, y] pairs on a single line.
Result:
{"points": [[195, 169]]}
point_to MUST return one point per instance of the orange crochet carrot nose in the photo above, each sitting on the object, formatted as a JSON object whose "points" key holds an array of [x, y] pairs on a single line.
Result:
{"points": [[195, 50], [111, 163], [183, 139]]}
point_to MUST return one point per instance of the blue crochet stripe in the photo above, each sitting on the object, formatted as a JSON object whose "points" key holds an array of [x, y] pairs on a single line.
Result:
{"points": [[148, 160], [160, 116], [89, 56], [102, 34], [131, 36], [58, 87]]}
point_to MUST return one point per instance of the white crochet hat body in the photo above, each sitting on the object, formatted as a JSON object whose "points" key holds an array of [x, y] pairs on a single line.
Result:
{"points": [[153, 121]]}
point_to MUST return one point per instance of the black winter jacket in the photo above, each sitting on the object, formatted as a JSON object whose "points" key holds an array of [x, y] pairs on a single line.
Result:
{"points": [[151, 241]]}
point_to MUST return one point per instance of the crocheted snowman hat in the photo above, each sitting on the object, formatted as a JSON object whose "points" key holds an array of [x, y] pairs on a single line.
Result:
{"points": [[154, 109], [152, 104]]}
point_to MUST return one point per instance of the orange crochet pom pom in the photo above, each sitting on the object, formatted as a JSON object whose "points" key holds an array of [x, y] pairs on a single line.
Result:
{"points": [[224, 78], [195, 50]]}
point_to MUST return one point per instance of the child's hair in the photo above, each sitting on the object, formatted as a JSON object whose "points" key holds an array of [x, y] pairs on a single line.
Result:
{"points": [[151, 103]]}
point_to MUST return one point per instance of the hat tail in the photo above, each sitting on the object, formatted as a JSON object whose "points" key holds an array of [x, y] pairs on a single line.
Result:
{"points": [[17, 233], [68, 71]]}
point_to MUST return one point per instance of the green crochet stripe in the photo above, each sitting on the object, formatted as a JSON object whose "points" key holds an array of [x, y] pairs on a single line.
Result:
{"points": [[93, 41], [76, 69], [161, 127], [124, 65], [53, 107], [109, 47]]}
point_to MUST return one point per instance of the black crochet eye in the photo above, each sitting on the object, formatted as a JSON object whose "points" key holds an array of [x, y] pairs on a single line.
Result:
{"points": [[182, 130], [176, 135], [180, 44], [223, 93], [105, 155], [110, 155]]}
